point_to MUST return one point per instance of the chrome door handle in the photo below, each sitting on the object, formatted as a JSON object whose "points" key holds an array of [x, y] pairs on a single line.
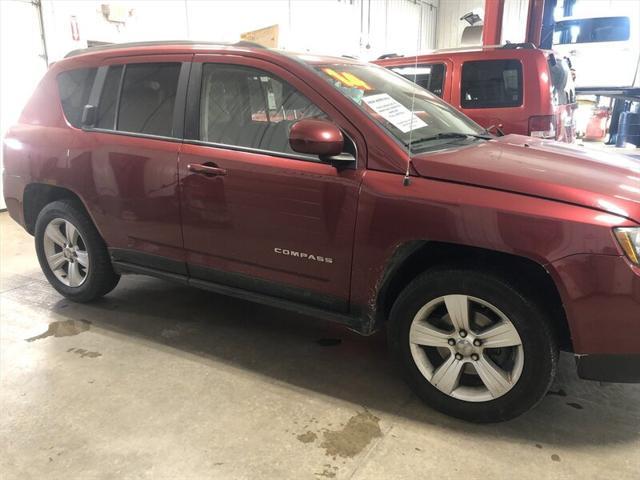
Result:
{"points": [[209, 169]]}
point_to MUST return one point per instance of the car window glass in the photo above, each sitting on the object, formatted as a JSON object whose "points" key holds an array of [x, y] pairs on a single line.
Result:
{"points": [[592, 30], [250, 108], [413, 116], [109, 98], [491, 84], [148, 97], [74, 87], [428, 76]]}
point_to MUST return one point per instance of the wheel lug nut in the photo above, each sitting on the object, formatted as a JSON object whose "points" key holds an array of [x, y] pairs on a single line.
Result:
{"points": [[477, 342], [458, 356], [451, 342], [475, 357], [463, 333]]}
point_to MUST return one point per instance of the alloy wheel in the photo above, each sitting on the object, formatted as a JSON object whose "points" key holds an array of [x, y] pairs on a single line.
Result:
{"points": [[466, 348], [66, 252]]}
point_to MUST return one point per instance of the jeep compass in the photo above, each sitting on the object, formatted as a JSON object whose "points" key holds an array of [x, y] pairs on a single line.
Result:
{"points": [[338, 189]]}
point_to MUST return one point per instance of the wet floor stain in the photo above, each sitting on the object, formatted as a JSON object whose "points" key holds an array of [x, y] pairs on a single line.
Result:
{"points": [[328, 472], [577, 406], [66, 328], [555, 457], [329, 342], [352, 439], [169, 333], [82, 353], [307, 437]]}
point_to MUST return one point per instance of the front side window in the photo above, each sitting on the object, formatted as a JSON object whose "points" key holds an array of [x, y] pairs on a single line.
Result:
{"points": [[74, 87], [412, 115], [592, 30], [428, 76], [491, 84], [148, 98], [247, 107]]}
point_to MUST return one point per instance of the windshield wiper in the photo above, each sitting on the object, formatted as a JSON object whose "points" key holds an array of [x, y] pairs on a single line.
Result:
{"points": [[444, 135]]}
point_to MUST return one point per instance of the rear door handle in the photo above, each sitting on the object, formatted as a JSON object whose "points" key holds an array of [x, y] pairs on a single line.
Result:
{"points": [[209, 169]]}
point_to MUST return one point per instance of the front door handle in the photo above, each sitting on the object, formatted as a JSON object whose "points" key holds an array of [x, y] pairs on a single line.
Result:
{"points": [[209, 169]]}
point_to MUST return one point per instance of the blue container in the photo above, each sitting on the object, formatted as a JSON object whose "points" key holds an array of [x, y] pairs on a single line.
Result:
{"points": [[628, 129]]}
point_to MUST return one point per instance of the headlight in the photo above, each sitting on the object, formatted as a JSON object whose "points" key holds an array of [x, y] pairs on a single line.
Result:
{"points": [[629, 239]]}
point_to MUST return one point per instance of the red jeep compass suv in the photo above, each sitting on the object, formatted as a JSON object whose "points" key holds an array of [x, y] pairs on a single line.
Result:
{"points": [[335, 188]]}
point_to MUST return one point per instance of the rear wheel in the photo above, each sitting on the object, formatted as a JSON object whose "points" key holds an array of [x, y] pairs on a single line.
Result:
{"points": [[473, 346], [72, 254]]}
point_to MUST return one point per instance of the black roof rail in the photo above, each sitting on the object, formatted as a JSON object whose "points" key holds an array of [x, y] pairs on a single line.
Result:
{"points": [[247, 43], [517, 46], [389, 55], [114, 46]]}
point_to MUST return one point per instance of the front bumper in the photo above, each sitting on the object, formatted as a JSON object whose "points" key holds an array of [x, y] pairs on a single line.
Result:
{"points": [[601, 297], [609, 368]]}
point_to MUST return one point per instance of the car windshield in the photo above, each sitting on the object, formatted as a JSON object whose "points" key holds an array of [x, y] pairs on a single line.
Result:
{"points": [[414, 116], [592, 30]]}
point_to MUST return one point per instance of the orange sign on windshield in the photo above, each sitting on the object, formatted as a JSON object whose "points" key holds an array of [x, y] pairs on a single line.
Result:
{"points": [[347, 79]]}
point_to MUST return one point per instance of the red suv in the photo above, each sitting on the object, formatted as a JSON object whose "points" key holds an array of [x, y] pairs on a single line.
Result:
{"points": [[335, 188], [514, 87]]}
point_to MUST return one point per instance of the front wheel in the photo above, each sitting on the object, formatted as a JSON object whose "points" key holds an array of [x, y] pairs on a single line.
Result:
{"points": [[471, 345]]}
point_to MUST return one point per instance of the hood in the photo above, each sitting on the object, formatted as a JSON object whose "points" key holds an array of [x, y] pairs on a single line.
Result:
{"points": [[604, 181]]}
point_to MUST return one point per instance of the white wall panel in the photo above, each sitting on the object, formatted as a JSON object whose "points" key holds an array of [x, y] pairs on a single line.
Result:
{"points": [[514, 21], [21, 62], [450, 26]]}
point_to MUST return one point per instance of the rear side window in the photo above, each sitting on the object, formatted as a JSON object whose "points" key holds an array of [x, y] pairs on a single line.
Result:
{"points": [[148, 98], [491, 84], [246, 107], [428, 76], [592, 30], [74, 87]]}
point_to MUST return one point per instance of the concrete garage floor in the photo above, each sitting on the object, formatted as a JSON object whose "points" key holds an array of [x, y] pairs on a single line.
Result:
{"points": [[160, 381]]}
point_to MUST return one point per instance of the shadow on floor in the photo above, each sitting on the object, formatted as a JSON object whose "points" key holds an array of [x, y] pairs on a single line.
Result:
{"points": [[328, 359]]}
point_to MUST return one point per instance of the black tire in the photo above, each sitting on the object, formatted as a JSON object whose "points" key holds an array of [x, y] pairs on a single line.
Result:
{"points": [[539, 344], [100, 277]]}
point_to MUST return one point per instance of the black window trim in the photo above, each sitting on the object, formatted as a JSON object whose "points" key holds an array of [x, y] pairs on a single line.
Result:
{"points": [[178, 120], [192, 119], [521, 89]]}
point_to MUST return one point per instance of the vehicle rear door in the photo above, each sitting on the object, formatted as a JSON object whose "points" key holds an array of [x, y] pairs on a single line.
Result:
{"points": [[256, 215], [491, 92], [132, 146]]}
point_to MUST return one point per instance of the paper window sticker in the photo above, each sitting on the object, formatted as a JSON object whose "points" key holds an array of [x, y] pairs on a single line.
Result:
{"points": [[394, 112]]}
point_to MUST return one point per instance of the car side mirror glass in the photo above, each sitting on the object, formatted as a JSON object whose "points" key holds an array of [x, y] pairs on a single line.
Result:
{"points": [[89, 116], [316, 137]]}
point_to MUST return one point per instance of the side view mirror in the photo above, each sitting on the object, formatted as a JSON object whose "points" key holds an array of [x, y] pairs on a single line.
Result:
{"points": [[316, 137], [88, 116]]}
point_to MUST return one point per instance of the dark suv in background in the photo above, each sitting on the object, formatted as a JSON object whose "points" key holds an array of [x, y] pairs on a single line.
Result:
{"points": [[337, 189]]}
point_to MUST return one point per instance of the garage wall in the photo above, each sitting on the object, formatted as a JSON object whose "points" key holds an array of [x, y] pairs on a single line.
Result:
{"points": [[450, 26], [22, 61], [364, 28]]}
